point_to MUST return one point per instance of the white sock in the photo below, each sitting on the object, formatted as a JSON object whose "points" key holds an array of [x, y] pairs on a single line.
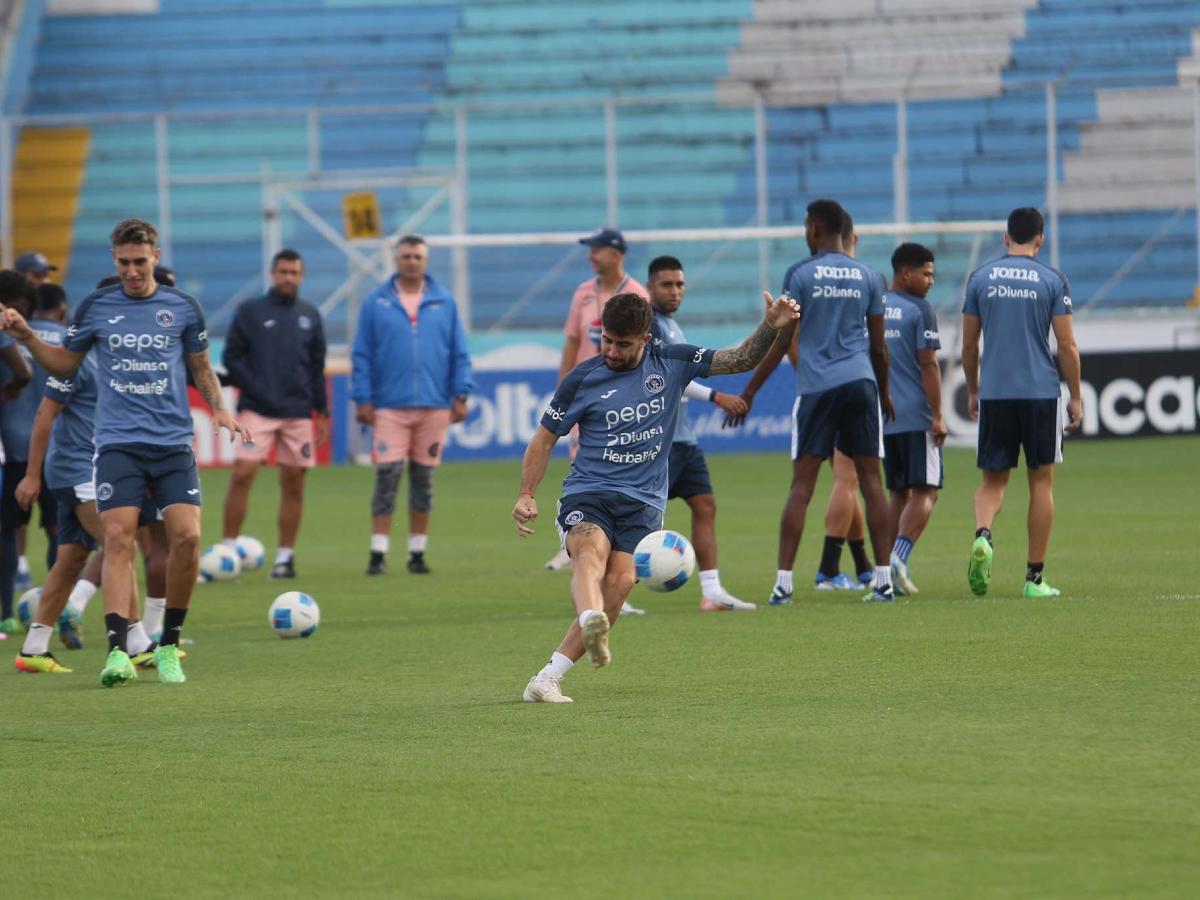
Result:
{"points": [[83, 591], [882, 579], [152, 614], [417, 543], [558, 666], [583, 616], [231, 543], [379, 543], [284, 555], [23, 565], [783, 580], [38, 639], [136, 639], [710, 584]]}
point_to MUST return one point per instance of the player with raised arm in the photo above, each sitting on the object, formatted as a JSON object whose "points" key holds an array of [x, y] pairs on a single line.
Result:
{"points": [[687, 467], [143, 335], [626, 403], [912, 442], [1014, 303], [842, 389]]}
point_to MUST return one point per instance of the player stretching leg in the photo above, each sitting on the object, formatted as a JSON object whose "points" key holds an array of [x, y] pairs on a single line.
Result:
{"points": [[912, 442], [626, 403], [144, 335], [1015, 301]]}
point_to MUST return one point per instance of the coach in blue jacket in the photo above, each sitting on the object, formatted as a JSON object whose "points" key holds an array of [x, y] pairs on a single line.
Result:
{"points": [[411, 379]]}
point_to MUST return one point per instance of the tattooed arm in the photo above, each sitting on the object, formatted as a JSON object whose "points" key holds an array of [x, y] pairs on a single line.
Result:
{"points": [[210, 390], [779, 314]]}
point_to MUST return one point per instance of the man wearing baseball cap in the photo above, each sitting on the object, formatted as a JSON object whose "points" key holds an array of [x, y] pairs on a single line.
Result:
{"points": [[35, 267]]}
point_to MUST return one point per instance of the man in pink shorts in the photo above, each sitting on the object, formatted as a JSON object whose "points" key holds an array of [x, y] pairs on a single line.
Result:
{"points": [[606, 253], [275, 355], [410, 391]]}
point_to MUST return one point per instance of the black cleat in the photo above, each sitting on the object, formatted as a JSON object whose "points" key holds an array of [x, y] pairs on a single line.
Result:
{"points": [[416, 564], [377, 565], [284, 569]]}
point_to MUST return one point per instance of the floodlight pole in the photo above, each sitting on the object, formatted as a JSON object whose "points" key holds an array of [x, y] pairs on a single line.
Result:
{"points": [[610, 162], [761, 189], [162, 160], [1196, 160], [1052, 169], [900, 166], [6, 192], [459, 215]]}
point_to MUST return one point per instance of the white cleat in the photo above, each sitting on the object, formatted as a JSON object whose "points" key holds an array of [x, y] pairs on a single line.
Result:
{"points": [[627, 610], [559, 561], [725, 601], [545, 688], [595, 639], [900, 580]]}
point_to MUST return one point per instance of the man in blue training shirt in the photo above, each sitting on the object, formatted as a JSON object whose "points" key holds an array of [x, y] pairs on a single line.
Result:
{"points": [[626, 403], [842, 388], [687, 468], [912, 442], [143, 335], [1015, 301]]}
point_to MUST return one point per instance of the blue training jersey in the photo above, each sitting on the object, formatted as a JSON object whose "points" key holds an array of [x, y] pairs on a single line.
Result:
{"points": [[909, 326], [666, 332], [72, 447], [1015, 297], [836, 293], [16, 416], [626, 420], [140, 346]]}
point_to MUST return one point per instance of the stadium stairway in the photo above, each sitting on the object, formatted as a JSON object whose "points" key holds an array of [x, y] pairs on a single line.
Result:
{"points": [[47, 177]]}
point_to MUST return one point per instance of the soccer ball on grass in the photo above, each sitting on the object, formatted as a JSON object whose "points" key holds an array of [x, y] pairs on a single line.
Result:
{"points": [[220, 563], [294, 614], [664, 560], [251, 552], [27, 605]]}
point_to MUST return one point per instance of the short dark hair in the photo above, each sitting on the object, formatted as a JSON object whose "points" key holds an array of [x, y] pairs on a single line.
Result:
{"points": [[627, 314], [287, 255], [1024, 224], [411, 239], [134, 231], [15, 286], [911, 256], [828, 214], [847, 227], [664, 264], [50, 298], [164, 275]]}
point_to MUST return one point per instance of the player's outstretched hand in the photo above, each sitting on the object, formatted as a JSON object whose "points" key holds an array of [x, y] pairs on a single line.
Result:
{"points": [[939, 432], [730, 405], [223, 419], [1074, 416], [14, 324], [780, 312], [733, 420], [524, 512]]}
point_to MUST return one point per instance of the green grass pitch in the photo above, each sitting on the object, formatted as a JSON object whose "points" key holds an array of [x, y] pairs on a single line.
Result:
{"points": [[943, 747]]}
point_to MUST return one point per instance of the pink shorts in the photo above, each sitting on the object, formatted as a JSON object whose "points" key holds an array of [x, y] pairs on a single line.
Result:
{"points": [[416, 434], [294, 440]]}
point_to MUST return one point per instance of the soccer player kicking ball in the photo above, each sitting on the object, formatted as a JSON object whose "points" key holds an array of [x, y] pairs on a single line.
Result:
{"points": [[1015, 302], [626, 403], [912, 442], [143, 335]]}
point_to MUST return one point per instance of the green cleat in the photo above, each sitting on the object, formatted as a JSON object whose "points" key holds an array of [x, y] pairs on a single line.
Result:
{"points": [[117, 668], [1039, 589], [9, 626], [979, 569], [166, 659]]}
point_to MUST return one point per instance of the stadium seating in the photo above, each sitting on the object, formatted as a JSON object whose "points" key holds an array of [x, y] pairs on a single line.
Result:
{"points": [[973, 69]]}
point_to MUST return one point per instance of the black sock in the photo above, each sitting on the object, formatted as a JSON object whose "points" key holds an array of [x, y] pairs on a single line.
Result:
{"points": [[858, 549], [831, 556], [1034, 572], [172, 626], [118, 627], [984, 533]]}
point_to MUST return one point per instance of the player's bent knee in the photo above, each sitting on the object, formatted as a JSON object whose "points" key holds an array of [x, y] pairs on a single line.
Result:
{"points": [[420, 488], [387, 482]]}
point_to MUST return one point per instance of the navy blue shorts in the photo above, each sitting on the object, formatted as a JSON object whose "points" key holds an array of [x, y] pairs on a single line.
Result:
{"points": [[1005, 426], [125, 473], [625, 520], [149, 513], [12, 514], [70, 529], [688, 472], [847, 416], [911, 459]]}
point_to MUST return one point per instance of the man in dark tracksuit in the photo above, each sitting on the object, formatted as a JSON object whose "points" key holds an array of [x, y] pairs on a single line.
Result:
{"points": [[275, 355]]}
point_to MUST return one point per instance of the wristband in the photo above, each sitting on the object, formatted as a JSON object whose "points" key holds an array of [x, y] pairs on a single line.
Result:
{"points": [[712, 397]]}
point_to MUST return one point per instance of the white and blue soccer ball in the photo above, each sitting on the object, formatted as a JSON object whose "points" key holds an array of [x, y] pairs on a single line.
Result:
{"points": [[294, 615], [251, 552], [220, 563], [664, 560], [27, 605]]}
